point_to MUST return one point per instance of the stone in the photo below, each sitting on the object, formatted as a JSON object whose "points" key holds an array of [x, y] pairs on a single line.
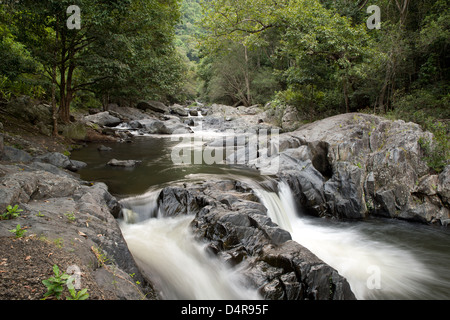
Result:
{"points": [[104, 148], [103, 119], [15, 155], [443, 188], [61, 161], [123, 163], [243, 235], [155, 106], [364, 164], [179, 110]]}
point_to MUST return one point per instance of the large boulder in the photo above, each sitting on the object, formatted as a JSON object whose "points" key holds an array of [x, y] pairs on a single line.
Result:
{"points": [[156, 126], [179, 110], [30, 111], [364, 164], [61, 161], [155, 106], [15, 155], [104, 119]]}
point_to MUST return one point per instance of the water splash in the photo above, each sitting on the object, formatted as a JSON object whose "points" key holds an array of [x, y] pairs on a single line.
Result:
{"points": [[179, 266], [375, 269]]}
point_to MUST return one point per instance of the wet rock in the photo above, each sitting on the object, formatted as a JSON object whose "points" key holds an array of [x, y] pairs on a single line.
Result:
{"points": [[364, 164], [104, 148], [179, 110], [243, 235], [123, 163]]}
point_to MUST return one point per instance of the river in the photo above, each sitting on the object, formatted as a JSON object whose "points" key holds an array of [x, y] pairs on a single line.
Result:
{"points": [[381, 259]]}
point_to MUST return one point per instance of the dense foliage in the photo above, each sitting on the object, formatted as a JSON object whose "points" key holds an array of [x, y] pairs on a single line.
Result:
{"points": [[123, 51]]}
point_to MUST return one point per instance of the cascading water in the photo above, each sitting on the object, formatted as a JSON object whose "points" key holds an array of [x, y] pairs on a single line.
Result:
{"points": [[374, 268], [179, 266]]}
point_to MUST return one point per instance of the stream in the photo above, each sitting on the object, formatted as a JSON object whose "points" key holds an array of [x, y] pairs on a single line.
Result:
{"points": [[381, 259]]}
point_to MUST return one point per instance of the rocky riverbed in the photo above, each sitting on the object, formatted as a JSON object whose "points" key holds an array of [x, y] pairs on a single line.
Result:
{"points": [[350, 166]]}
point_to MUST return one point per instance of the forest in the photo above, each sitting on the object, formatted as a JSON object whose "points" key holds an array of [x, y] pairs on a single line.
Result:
{"points": [[318, 56]]}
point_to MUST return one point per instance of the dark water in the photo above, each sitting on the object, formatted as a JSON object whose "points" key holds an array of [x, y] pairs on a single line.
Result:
{"points": [[414, 258], [156, 169]]}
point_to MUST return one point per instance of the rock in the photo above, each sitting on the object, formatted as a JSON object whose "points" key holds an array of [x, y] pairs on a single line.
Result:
{"points": [[291, 119], [155, 126], [155, 106], [364, 164], [235, 226], [92, 231], [123, 163], [2, 147], [193, 112], [443, 188], [150, 126], [61, 161], [179, 110], [104, 148], [15, 155], [103, 119], [32, 112], [127, 113]]}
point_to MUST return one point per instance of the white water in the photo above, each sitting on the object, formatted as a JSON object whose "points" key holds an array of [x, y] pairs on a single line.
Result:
{"points": [[179, 266], [375, 269]]}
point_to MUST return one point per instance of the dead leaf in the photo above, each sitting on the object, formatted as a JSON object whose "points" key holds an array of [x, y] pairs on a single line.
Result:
{"points": [[82, 234], [27, 258]]}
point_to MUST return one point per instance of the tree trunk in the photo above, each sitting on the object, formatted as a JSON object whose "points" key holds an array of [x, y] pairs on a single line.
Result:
{"points": [[54, 84], [247, 79], [54, 106]]}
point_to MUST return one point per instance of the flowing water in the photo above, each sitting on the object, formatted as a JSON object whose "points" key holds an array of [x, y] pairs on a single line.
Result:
{"points": [[381, 259]]}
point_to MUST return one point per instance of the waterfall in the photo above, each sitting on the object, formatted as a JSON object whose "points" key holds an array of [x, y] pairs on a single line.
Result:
{"points": [[143, 207], [178, 265], [375, 269]]}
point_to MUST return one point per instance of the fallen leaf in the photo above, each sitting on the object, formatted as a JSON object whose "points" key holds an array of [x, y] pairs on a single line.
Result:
{"points": [[27, 258], [82, 234]]}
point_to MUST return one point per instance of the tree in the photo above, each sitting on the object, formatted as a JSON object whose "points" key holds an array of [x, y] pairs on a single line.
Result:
{"points": [[123, 49], [316, 45]]}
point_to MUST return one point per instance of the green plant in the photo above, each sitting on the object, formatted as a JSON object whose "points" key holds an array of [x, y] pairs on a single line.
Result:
{"points": [[101, 256], [74, 295], [18, 231], [11, 212], [70, 216], [436, 151], [55, 284]]}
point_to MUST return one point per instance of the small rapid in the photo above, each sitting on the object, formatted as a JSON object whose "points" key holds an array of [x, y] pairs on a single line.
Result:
{"points": [[374, 267], [179, 266]]}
